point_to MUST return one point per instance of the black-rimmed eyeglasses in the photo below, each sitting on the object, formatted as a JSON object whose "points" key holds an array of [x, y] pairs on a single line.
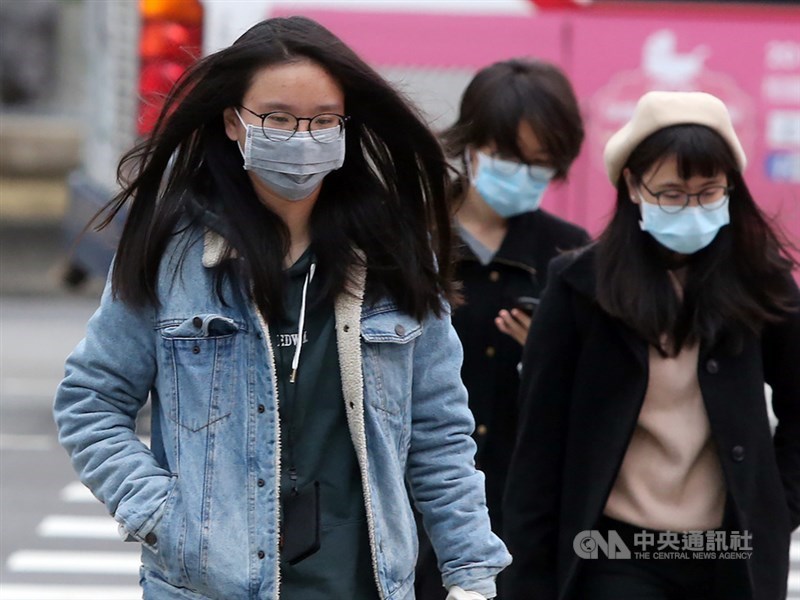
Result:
{"points": [[280, 126], [673, 201]]}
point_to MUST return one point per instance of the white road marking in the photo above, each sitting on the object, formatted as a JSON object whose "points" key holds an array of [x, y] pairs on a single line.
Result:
{"points": [[77, 492], [68, 592], [104, 528], [35, 561]]}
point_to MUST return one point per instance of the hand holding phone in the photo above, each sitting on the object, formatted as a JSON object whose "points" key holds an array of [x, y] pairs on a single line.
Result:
{"points": [[526, 304], [516, 321]]}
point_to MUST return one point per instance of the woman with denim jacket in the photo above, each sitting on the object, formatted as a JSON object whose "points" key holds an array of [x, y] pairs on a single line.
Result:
{"points": [[280, 293], [645, 465]]}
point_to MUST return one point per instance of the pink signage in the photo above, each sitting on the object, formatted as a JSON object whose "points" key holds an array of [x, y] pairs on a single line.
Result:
{"points": [[748, 55], [752, 64], [432, 40]]}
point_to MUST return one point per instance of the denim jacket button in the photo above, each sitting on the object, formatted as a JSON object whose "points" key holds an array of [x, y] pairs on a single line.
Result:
{"points": [[197, 322], [261, 408], [261, 554], [399, 330], [151, 538], [261, 483], [196, 350]]}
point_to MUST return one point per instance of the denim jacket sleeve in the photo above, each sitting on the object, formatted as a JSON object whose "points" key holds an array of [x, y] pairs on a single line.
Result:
{"points": [[107, 381], [447, 488]]}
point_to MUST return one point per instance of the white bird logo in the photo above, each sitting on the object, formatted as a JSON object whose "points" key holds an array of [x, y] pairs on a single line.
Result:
{"points": [[662, 62]]}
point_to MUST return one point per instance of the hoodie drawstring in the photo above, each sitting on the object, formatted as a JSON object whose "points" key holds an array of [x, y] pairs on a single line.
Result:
{"points": [[302, 323]]}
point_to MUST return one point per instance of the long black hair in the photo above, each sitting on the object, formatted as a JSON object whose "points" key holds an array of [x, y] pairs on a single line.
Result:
{"points": [[736, 284], [508, 92], [389, 199]]}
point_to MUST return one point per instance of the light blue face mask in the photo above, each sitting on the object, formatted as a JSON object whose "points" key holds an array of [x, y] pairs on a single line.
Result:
{"points": [[508, 187], [688, 230]]}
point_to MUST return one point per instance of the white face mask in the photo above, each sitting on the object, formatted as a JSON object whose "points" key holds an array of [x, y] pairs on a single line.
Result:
{"points": [[687, 231], [293, 168]]}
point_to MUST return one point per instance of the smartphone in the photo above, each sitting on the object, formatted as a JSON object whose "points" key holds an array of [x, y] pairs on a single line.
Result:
{"points": [[526, 304]]}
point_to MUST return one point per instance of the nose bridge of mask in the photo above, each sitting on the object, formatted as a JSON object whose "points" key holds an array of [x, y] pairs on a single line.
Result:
{"points": [[689, 220], [290, 154], [299, 155], [303, 155]]}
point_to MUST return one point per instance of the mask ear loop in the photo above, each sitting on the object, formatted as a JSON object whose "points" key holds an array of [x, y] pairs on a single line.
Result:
{"points": [[246, 130]]}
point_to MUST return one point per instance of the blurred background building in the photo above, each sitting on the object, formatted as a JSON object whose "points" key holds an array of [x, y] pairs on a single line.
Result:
{"points": [[43, 77]]}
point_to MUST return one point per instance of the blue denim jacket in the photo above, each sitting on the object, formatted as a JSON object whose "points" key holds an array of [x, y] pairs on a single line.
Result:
{"points": [[204, 498]]}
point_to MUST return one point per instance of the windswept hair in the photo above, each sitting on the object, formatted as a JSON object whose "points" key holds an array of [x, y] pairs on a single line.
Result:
{"points": [[389, 199], [736, 284]]}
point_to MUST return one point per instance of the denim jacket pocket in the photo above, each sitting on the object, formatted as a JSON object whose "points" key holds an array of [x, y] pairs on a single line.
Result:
{"points": [[163, 545], [198, 351], [388, 349]]}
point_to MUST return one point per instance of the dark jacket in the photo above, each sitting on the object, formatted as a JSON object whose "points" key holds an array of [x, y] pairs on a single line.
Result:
{"points": [[491, 357], [585, 376]]}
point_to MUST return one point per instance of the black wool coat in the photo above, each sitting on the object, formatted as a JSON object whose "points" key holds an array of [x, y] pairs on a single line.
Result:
{"points": [[584, 379], [489, 372]]}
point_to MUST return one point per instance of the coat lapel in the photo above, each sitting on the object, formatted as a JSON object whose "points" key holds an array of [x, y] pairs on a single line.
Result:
{"points": [[347, 311]]}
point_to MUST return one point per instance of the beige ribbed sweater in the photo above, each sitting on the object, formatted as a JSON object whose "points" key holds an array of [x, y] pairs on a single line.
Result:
{"points": [[670, 478]]}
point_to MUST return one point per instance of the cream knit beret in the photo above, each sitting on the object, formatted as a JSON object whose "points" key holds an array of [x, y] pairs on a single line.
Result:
{"points": [[657, 110]]}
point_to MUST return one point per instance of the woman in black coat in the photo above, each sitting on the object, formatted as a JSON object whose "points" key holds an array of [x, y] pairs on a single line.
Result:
{"points": [[519, 127], [643, 415]]}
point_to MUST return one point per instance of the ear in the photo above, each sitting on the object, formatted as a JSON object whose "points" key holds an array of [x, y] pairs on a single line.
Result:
{"points": [[631, 183], [233, 127]]}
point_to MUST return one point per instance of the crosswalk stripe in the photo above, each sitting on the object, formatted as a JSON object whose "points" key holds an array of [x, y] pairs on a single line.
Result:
{"points": [[794, 582], [794, 552], [10, 441], [67, 592], [104, 528], [34, 561], [77, 492]]}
